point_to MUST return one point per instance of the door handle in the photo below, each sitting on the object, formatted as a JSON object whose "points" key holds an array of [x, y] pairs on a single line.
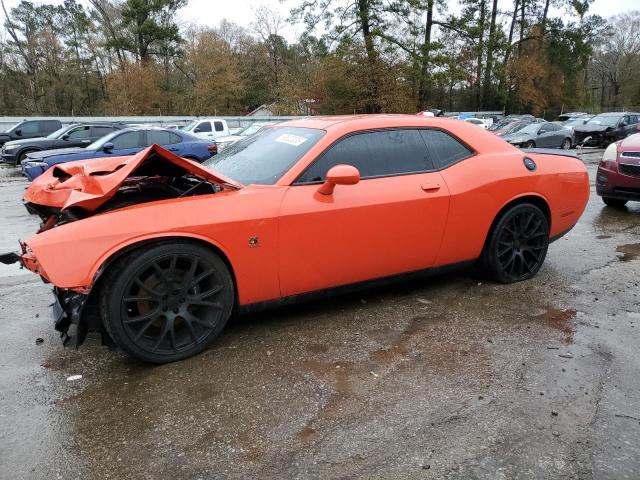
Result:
{"points": [[431, 187]]}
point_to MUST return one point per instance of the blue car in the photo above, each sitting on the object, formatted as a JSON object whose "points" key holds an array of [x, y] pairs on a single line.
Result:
{"points": [[128, 141]]}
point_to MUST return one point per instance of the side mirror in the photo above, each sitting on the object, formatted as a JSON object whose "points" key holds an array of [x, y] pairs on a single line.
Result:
{"points": [[107, 147], [197, 129], [339, 175], [18, 132], [65, 137]]}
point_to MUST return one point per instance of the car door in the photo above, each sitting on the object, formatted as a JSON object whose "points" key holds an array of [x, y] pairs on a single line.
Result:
{"points": [[545, 136], [204, 130], [126, 143], [99, 131], [392, 221], [169, 140], [76, 137], [29, 129]]}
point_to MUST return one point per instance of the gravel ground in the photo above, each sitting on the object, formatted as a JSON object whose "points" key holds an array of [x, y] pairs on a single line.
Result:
{"points": [[452, 377]]}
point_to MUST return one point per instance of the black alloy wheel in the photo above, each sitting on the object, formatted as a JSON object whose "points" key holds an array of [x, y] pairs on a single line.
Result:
{"points": [[530, 144], [517, 245], [168, 302], [566, 144]]}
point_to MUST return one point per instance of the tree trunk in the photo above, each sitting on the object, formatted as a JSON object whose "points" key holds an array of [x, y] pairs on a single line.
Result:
{"points": [[424, 90], [486, 87], [373, 105], [481, 22], [545, 13]]}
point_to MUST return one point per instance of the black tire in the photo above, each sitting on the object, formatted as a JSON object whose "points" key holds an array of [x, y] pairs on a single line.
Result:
{"points": [[23, 155], [166, 302], [614, 202], [566, 144], [517, 244], [530, 144]]}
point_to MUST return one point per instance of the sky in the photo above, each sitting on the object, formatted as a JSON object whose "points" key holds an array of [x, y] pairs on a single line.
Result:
{"points": [[242, 12]]}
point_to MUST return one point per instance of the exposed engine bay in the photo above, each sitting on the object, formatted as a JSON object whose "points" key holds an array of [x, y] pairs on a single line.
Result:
{"points": [[71, 192]]}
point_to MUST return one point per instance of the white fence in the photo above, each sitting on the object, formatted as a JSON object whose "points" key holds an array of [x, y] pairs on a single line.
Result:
{"points": [[234, 122]]}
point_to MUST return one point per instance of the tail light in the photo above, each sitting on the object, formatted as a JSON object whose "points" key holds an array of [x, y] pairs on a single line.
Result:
{"points": [[213, 148]]}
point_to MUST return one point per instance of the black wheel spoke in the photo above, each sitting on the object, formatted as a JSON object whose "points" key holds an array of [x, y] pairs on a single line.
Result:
{"points": [[146, 326], [149, 290], [163, 333], [150, 315], [190, 317]]}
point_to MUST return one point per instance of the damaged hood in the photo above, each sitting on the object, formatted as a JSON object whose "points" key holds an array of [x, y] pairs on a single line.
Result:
{"points": [[88, 184], [591, 128], [54, 153]]}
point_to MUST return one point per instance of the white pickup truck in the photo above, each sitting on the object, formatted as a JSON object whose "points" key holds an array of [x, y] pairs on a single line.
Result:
{"points": [[207, 128]]}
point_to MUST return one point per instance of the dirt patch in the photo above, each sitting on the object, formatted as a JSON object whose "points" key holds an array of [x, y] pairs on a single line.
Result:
{"points": [[629, 251], [561, 320], [603, 237], [317, 348]]}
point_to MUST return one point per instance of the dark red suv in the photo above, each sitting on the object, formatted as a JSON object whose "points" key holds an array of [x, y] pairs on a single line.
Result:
{"points": [[618, 179]]}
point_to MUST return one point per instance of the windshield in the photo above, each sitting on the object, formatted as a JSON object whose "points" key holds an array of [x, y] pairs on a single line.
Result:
{"points": [[264, 157], [499, 125], [250, 130], [97, 145], [606, 120], [188, 126], [58, 132], [516, 127]]}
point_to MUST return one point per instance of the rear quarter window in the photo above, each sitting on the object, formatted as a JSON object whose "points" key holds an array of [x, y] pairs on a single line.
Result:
{"points": [[444, 150]]}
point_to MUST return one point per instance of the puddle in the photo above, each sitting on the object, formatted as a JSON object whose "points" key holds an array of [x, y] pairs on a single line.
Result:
{"points": [[629, 251], [561, 320]]}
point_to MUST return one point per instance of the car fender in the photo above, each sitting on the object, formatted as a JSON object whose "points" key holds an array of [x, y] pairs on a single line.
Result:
{"points": [[109, 256]]}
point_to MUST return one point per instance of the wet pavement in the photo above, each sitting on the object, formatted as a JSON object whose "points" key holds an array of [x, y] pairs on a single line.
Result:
{"points": [[451, 377]]}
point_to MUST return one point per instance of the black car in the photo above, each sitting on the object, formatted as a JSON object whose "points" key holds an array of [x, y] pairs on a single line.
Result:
{"points": [[76, 135], [30, 129], [606, 128]]}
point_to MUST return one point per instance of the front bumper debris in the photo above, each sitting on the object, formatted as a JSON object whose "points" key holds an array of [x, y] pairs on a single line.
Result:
{"points": [[67, 314]]}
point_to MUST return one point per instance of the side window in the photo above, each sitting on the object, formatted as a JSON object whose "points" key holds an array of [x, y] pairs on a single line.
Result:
{"points": [[162, 137], [79, 133], [625, 121], [126, 140], [30, 127], [218, 126], [374, 154], [98, 132], [444, 150], [203, 127]]}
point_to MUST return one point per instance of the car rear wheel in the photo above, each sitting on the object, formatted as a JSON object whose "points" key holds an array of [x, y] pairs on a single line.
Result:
{"points": [[614, 202], [167, 302], [517, 245], [566, 144], [530, 144]]}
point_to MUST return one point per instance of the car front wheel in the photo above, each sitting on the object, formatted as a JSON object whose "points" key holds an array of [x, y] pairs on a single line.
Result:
{"points": [[166, 302], [614, 202], [517, 245], [566, 144], [530, 144]]}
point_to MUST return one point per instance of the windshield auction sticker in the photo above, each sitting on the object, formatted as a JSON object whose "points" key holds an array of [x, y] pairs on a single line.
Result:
{"points": [[294, 140]]}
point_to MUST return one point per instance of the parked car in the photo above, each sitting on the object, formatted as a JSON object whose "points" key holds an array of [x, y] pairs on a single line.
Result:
{"points": [[618, 177], [478, 121], [127, 141], [30, 129], [292, 212], [76, 135], [606, 128], [509, 123], [224, 142], [563, 117], [207, 128], [547, 135]]}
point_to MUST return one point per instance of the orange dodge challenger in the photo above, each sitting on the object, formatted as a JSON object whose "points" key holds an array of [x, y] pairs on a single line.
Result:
{"points": [[156, 252]]}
